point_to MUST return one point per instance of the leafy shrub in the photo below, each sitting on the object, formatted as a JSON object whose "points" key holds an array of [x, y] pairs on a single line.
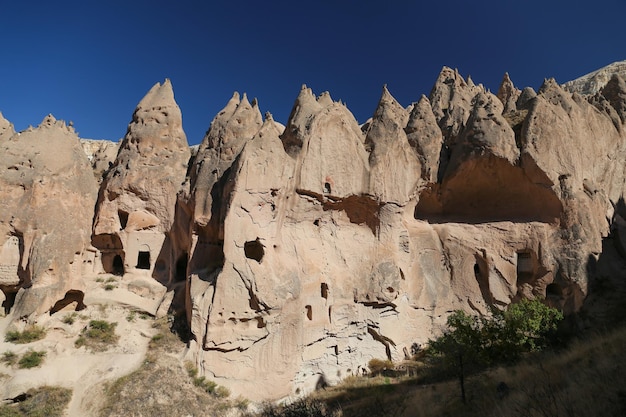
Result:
{"points": [[109, 287], [30, 334], [31, 359], [471, 343]]}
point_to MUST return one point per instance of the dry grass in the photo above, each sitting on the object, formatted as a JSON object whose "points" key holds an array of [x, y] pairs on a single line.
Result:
{"points": [[587, 379], [40, 402], [98, 336], [144, 392], [29, 335]]}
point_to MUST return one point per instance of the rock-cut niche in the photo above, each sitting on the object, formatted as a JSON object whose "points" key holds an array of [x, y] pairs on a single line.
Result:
{"points": [[143, 258]]}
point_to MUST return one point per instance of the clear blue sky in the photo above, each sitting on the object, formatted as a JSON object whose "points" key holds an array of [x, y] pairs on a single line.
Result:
{"points": [[91, 62]]}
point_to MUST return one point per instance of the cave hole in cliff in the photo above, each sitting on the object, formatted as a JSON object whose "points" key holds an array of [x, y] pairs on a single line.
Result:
{"points": [[327, 189], [9, 300], [143, 260], [324, 290], [525, 270], [123, 216], [72, 296], [554, 291], [254, 249], [181, 267], [309, 312], [118, 265]]}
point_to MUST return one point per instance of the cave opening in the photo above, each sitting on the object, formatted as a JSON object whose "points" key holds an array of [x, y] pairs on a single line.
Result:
{"points": [[324, 290], [123, 216], [254, 250], [9, 300], [118, 265], [525, 270], [143, 260], [181, 267]]}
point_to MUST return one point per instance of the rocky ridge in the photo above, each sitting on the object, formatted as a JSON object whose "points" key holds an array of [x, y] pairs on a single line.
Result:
{"points": [[297, 253]]}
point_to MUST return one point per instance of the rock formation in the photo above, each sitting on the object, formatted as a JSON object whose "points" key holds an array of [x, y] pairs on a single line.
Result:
{"points": [[593, 82], [300, 252], [137, 199], [101, 154], [48, 192]]}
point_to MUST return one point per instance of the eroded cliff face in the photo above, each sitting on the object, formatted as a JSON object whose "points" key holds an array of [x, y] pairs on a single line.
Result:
{"points": [[300, 252], [48, 192], [336, 245], [136, 204]]}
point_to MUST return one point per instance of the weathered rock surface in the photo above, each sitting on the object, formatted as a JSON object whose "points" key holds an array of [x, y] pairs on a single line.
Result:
{"points": [[137, 200], [101, 154], [47, 191], [594, 81], [300, 252]]}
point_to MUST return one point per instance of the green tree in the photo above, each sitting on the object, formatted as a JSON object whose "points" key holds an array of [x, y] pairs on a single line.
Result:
{"points": [[471, 343]]}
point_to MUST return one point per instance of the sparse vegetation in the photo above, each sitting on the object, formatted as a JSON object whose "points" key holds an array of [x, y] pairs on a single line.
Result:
{"points": [[31, 359], [109, 287], [305, 407], [70, 319], [98, 335], [9, 358], [40, 402], [208, 386], [165, 339], [131, 316], [472, 343], [29, 335], [379, 366]]}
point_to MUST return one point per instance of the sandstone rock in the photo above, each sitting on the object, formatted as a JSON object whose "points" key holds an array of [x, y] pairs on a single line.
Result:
{"points": [[389, 148], [593, 82], [136, 205], [101, 154], [451, 99], [615, 92], [299, 253], [6, 128], [425, 137], [525, 97], [508, 93], [48, 191]]}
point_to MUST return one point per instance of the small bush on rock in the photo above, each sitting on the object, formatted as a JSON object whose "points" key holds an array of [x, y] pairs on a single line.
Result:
{"points": [[30, 334], [31, 359]]}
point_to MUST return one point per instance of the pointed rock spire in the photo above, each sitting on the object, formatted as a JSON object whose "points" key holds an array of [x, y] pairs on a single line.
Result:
{"points": [[151, 161], [508, 93], [451, 101], [6, 128], [425, 138], [389, 148]]}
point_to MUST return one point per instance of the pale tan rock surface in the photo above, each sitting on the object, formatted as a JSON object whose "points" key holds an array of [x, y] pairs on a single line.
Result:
{"points": [[48, 191], [300, 252], [101, 154], [594, 81], [136, 204]]}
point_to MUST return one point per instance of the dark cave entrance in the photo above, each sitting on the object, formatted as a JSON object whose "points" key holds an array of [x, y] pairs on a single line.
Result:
{"points": [[118, 265], [143, 260], [181, 267]]}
